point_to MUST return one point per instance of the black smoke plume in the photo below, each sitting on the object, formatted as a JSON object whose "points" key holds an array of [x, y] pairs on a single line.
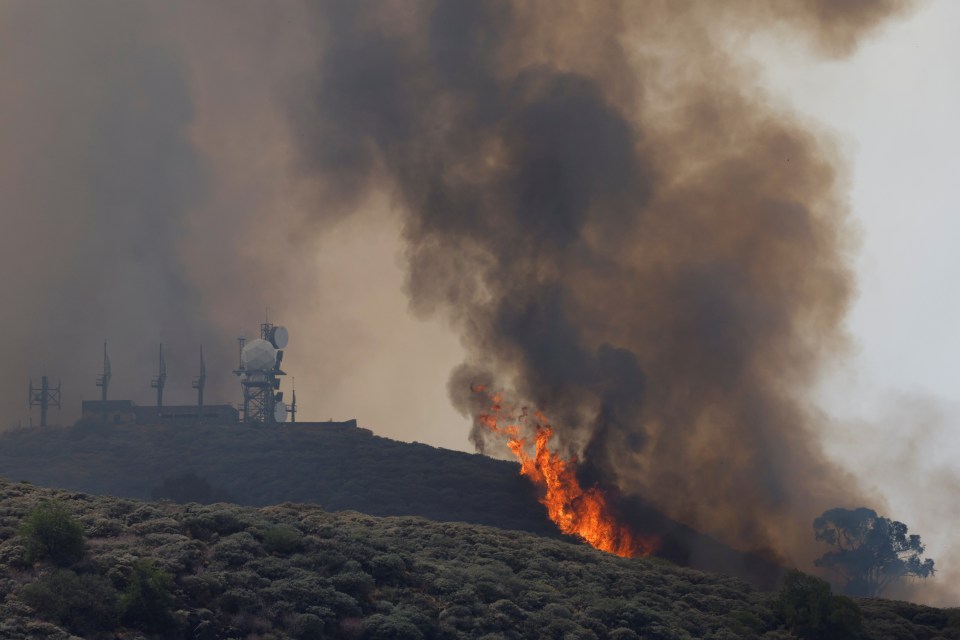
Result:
{"points": [[619, 225]]}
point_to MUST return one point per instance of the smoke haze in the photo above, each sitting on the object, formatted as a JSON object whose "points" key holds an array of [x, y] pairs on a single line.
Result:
{"points": [[597, 197], [620, 228]]}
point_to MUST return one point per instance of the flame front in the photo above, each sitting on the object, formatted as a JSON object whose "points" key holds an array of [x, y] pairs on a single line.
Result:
{"points": [[585, 513]]}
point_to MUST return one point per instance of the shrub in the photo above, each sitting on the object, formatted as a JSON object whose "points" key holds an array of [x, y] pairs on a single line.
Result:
{"points": [[354, 583], [282, 539], [381, 627], [147, 602], [308, 627], [237, 549], [50, 532], [85, 604], [388, 568], [810, 610]]}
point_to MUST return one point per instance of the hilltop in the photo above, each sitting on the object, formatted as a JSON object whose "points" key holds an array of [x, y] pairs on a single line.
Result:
{"points": [[296, 571], [335, 468]]}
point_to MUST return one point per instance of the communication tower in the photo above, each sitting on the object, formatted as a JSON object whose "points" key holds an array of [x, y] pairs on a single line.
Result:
{"points": [[103, 381], [45, 396], [260, 373], [159, 382], [199, 383], [293, 404]]}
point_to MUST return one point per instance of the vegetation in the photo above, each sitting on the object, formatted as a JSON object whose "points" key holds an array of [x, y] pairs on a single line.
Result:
{"points": [[161, 570], [49, 532], [338, 469], [870, 550], [809, 609], [84, 604], [147, 602]]}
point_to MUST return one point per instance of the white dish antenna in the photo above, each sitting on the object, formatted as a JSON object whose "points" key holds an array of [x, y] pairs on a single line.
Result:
{"points": [[280, 412], [258, 355], [279, 337]]}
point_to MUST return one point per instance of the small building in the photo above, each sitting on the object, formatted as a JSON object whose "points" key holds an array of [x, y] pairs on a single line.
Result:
{"points": [[126, 412]]}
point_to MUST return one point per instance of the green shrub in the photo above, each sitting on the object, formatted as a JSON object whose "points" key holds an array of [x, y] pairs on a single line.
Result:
{"points": [[49, 532], [282, 539], [147, 602], [809, 609], [307, 626], [381, 627], [85, 604], [354, 583]]}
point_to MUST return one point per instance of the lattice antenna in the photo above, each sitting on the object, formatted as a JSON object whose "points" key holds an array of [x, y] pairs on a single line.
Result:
{"points": [[259, 371], [44, 397]]}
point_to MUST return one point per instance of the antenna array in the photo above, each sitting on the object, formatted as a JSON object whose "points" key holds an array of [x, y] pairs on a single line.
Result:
{"points": [[45, 396]]}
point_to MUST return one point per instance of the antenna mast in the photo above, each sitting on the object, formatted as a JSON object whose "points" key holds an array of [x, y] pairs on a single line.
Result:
{"points": [[103, 381], [159, 382], [293, 405], [44, 397], [199, 383]]}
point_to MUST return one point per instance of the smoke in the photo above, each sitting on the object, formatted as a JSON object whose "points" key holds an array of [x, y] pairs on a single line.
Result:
{"points": [[597, 196], [98, 177], [143, 152], [911, 464], [620, 227]]}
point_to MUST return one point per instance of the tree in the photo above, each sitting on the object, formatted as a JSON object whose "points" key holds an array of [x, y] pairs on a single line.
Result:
{"points": [[50, 532], [871, 551], [809, 609]]}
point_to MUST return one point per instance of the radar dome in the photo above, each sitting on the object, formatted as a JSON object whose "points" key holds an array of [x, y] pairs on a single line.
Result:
{"points": [[280, 412], [258, 355]]}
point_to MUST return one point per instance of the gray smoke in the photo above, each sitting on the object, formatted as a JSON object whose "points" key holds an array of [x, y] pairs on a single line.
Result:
{"points": [[135, 145], [99, 176], [622, 230]]}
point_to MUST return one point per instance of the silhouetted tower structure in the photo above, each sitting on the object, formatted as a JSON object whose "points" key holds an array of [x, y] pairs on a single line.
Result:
{"points": [[199, 383], [293, 404], [159, 382], [103, 381], [44, 397], [259, 373]]}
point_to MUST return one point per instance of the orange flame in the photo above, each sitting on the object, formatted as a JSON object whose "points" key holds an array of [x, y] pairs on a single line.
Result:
{"points": [[581, 512]]}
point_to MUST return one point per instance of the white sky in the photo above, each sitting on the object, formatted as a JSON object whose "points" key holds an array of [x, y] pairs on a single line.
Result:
{"points": [[894, 106]]}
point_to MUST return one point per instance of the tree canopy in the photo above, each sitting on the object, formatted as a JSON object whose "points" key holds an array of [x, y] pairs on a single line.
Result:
{"points": [[870, 551]]}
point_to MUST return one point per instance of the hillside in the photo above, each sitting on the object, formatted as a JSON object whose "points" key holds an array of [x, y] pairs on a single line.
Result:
{"points": [[337, 469], [294, 571]]}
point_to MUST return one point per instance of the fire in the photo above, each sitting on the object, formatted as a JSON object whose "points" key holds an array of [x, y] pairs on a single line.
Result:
{"points": [[585, 513]]}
